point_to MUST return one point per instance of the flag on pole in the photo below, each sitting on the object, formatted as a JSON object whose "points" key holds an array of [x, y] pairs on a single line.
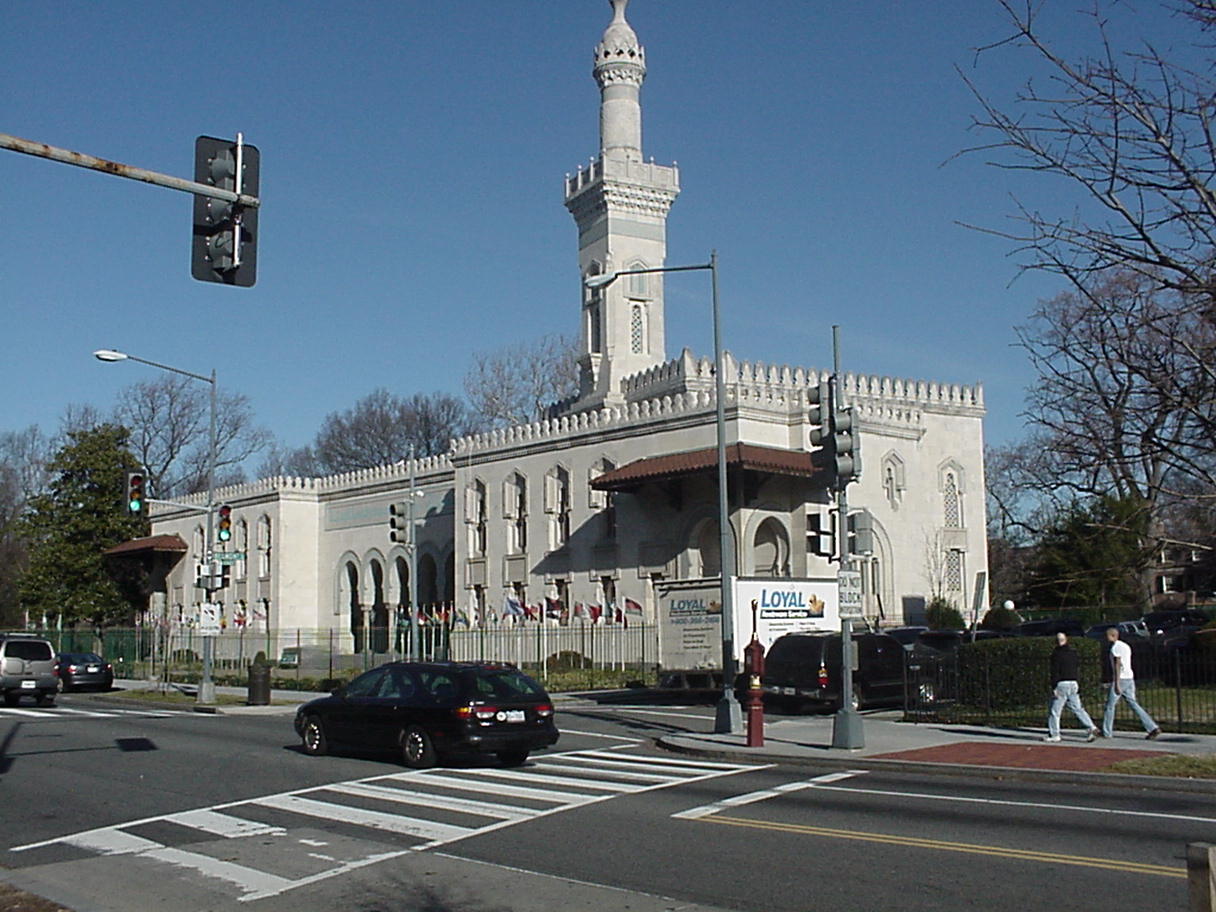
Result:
{"points": [[553, 609], [632, 607], [511, 607], [595, 611], [531, 612], [579, 610]]}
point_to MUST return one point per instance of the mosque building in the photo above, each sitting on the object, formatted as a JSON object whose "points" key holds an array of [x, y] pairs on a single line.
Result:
{"points": [[614, 495]]}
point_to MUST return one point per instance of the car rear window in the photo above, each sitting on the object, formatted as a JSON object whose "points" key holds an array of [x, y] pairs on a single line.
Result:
{"points": [[506, 684], [795, 649], [30, 650]]}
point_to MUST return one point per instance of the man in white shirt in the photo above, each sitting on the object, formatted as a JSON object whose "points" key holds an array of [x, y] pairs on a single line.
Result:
{"points": [[1123, 684]]}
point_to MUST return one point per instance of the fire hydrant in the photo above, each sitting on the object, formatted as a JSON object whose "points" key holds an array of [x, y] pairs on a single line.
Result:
{"points": [[753, 662]]}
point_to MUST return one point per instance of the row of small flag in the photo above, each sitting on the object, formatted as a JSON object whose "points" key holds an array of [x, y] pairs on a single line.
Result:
{"points": [[556, 610]]}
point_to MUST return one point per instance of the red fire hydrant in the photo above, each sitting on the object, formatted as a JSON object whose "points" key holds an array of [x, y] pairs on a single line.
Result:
{"points": [[753, 661]]}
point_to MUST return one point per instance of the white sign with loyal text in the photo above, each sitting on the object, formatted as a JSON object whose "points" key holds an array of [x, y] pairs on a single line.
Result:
{"points": [[783, 606]]}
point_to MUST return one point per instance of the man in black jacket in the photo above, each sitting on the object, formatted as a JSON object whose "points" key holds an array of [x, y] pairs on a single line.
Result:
{"points": [[1066, 689]]}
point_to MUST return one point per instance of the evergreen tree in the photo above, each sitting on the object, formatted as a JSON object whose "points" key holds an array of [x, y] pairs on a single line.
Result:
{"points": [[81, 514], [1093, 556]]}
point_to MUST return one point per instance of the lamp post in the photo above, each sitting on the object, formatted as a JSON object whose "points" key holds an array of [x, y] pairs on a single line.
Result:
{"points": [[206, 688], [728, 717]]}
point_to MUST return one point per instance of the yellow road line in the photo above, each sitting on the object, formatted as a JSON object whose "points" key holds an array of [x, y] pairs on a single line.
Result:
{"points": [[1132, 867]]}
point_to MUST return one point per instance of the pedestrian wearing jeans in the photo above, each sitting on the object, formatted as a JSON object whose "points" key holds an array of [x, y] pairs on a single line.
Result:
{"points": [[1066, 689], [1123, 684]]}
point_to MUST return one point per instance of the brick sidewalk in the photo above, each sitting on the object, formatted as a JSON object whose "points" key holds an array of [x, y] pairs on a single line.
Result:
{"points": [[1021, 756]]}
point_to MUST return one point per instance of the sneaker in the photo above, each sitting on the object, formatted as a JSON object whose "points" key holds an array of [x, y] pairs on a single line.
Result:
{"points": [[1052, 738], [1152, 736], [1091, 734]]}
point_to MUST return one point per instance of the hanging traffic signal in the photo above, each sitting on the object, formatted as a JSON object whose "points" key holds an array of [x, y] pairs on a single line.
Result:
{"points": [[223, 531], [820, 414], [845, 451], [224, 247], [398, 523], [136, 492]]}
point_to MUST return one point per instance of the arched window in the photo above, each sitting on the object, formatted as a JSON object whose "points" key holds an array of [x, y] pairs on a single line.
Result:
{"points": [[264, 547], [557, 506], [639, 283], [242, 547], [515, 511], [475, 517], [705, 550], [637, 329]]}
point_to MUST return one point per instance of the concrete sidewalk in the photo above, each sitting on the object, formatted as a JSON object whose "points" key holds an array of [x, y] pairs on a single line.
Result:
{"points": [[890, 742]]}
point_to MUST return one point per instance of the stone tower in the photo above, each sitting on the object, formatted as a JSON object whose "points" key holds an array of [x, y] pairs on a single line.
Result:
{"points": [[620, 204]]}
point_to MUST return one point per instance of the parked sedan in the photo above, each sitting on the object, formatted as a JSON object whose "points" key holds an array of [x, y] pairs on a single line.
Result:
{"points": [[428, 711], [80, 670]]}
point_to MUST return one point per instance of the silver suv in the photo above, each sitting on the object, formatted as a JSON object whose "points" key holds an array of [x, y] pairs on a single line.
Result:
{"points": [[27, 666]]}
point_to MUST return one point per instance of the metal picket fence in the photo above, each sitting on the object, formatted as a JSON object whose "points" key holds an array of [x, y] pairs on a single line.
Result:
{"points": [[582, 653], [1177, 686]]}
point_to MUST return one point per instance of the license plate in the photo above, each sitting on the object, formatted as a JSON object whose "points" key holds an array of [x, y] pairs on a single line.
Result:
{"points": [[515, 715], [93, 669], [28, 685]]}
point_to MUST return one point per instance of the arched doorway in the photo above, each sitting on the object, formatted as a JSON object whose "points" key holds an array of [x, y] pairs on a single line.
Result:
{"points": [[771, 549]]}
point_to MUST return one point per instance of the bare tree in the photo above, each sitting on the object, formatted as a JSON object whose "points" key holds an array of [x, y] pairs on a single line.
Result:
{"points": [[300, 462], [382, 427], [1120, 406], [1131, 129], [169, 421], [518, 383]]}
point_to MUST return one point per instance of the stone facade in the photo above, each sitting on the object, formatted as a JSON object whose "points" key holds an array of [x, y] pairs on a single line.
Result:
{"points": [[515, 511]]}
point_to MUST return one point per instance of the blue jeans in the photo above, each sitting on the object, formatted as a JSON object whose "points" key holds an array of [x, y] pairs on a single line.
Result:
{"points": [[1067, 692], [1128, 688]]}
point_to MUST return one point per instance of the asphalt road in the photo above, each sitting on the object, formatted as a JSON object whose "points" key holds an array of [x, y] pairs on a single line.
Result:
{"points": [[118, 810]]}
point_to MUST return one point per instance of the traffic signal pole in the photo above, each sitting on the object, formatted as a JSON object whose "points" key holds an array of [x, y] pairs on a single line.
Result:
{"points": [[117, 169], [847, 731]]}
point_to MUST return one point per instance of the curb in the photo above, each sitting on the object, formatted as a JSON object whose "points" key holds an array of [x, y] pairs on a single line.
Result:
{"points": [[1066, 777]]}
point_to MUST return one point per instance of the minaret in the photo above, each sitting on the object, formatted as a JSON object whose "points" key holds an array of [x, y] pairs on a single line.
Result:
{"points": [[620, 204]]}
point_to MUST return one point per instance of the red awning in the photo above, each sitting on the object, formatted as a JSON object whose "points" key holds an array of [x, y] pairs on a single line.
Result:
{"points": [[746, 456], [150, 545]]}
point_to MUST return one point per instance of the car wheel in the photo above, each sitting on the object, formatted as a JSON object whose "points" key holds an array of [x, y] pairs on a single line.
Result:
{"points": [[417, 749], [46, 699], [11, 699], [513, 757], [313, 737]]}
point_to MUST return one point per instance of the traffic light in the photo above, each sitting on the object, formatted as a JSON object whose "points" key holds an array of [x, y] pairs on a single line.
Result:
{"points": [[223, 531], [224, 247], [820, 414], [820, 538], [846, 454], [137, 499], [398, 523], [861, 533]]}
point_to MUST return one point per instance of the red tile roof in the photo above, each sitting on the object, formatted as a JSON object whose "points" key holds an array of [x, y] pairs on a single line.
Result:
{"points": [[747, 456], [144, 545]]}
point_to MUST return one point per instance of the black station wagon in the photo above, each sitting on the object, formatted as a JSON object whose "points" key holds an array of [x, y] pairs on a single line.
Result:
{"points": [[428, 711]]}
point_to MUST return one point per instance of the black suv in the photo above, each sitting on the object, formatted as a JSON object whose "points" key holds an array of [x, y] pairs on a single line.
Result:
{"points": [[431, 710], [803, 670]]}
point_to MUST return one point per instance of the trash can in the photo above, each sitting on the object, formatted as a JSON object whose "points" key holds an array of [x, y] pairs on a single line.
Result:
{"points": [[259, 684]]}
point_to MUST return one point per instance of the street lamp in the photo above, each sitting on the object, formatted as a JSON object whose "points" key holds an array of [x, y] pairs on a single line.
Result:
{"points": [[728, 718], [206, 688]]}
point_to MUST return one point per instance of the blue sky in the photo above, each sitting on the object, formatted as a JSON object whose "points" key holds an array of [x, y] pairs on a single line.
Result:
{"points": [[412, 163]]}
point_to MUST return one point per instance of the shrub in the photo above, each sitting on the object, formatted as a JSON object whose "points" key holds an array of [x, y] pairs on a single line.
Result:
{"points": [[941, 614], [1000, 618], [1015, 673]]}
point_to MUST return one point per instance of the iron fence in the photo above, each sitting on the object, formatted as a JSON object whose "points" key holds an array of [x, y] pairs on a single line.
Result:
{"points": [[580, 653], [986, 686]]}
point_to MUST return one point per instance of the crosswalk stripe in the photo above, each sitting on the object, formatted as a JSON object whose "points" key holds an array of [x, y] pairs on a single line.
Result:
{"points": [[426, 799], [663, 761], [111, 841], [504, 790], [541, 779], [15, 711], [249, 880], [623, 774], [409, 826], [223, 824]]}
